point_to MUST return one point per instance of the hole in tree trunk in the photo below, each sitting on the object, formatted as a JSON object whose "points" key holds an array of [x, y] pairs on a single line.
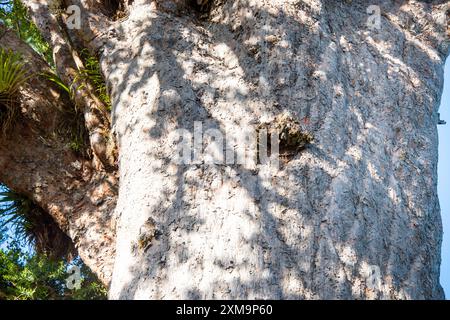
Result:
{"points": [[292, 137], [115, 9], [202, 6]]}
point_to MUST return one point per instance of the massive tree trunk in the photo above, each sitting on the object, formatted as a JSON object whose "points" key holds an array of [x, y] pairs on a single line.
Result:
{"points": [[353, 214]]}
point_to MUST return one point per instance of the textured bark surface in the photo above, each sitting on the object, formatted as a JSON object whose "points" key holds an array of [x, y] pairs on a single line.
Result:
{"points": [[361, 197]]}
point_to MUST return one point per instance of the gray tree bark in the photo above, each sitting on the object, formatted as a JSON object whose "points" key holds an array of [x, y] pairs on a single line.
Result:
{"points": [[354, 215], [361, 198]]}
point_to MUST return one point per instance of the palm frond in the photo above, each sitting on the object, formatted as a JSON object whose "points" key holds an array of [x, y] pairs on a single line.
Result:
{"points": [[13, 75], [57, 80], [31, 225]]}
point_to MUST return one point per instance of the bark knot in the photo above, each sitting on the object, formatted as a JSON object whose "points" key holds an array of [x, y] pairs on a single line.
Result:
{"points": [[292, 136]]}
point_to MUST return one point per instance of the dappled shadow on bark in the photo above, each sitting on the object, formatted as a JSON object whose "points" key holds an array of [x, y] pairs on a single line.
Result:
{"points": [[339, 226]]}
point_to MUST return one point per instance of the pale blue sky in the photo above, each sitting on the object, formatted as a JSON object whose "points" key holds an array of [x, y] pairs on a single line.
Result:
{"points": [[444, 180]]}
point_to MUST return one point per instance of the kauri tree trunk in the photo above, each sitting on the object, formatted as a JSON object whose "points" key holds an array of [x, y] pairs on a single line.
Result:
{"points": [[352, 215]]}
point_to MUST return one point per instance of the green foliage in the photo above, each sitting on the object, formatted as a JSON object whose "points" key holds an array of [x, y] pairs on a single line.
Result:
{"points": [[12, 73], [12, 76], [92, 74], [27, 276], [27, 273], [33, 226], [14, 209], [57, 80], [14, 15], [77, 143], [74, 129], [73, 126]]}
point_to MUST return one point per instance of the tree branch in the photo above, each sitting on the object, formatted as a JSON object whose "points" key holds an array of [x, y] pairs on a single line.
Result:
{"points": [[68, 65], [36, 161]]}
